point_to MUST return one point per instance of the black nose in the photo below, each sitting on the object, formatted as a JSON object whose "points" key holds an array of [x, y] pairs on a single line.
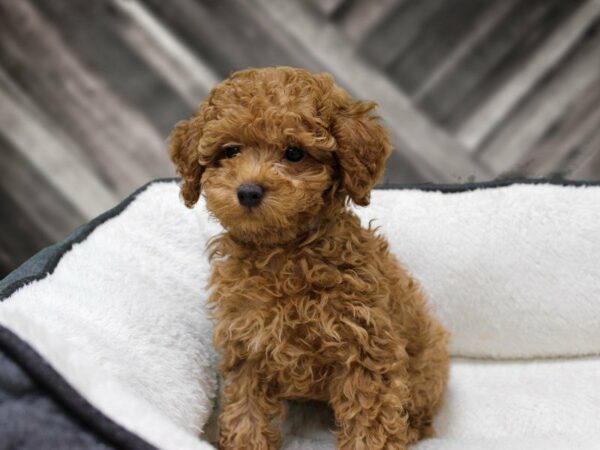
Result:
{"points": [[250, 194]]}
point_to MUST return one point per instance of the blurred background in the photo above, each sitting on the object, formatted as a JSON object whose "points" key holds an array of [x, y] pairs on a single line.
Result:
{"points": [[471, 90]]}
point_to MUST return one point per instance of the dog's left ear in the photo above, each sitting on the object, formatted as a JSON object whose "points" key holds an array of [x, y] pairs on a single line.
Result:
{"points": [[362, 146]]}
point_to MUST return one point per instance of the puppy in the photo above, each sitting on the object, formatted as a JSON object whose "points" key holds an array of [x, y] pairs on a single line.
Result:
{"points": [[308, 304]]}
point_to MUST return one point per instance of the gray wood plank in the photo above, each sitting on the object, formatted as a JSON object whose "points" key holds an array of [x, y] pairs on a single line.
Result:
{"points": [[361, 17], [55, 159], [488, 20], [19, 238], [328, 7], [47, 211], [587, 166], [399, 167], [430, 150], [565, 146], [518, 142], [501, 54], [123, 145], [174, 61], [398, 30], [227, 35], [438, 36], [98, 34], [89, 90], [483, 120], [286, 44]]}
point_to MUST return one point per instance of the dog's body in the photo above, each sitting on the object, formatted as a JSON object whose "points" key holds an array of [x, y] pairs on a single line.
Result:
{"points": [[308, 304]]}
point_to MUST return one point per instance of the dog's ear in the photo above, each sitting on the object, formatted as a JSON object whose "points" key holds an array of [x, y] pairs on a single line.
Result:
{"points": [[362, 146], [183, 150]]}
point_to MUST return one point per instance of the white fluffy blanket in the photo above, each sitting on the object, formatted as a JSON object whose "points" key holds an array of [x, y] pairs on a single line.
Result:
{"points": [[513, 272]]}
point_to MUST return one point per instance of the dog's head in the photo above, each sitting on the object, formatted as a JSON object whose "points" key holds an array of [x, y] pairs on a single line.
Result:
{"points": [[274, 149]]}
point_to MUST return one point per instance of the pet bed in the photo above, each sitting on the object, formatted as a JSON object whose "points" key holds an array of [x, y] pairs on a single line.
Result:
{"points": [[105, 341]]}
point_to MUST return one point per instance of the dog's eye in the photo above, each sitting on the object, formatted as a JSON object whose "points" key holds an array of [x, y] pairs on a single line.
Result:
{"points": [[294, 154], [232, 151]]}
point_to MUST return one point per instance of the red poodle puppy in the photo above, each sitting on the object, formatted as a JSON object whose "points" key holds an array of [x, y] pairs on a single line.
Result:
{"points": [[308, 303]]}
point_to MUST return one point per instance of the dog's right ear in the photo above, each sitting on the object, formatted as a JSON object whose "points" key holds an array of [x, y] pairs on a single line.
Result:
{"points": [[183, 150]]}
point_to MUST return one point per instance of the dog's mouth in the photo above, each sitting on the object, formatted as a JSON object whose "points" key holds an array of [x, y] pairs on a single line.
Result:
{"points": [[251, 214], [269, 222], [281, 214]]}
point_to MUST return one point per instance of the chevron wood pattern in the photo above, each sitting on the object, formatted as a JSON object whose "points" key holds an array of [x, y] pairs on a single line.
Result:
{"points": [[470, 90]]}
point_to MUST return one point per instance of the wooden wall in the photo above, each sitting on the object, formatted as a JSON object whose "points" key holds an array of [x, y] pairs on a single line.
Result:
{"points": [[471, 90]]}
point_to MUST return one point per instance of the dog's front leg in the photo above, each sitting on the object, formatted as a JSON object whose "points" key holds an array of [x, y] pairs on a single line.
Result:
{"points": [[246, 418], [370, 407]]}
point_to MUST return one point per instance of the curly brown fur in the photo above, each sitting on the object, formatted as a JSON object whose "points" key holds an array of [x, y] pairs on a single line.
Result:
{"points": [[308, 304]]}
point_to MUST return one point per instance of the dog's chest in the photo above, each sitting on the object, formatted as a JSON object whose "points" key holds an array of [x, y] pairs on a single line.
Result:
{"points": [[302, 355], [296, 311], [292, 306]]}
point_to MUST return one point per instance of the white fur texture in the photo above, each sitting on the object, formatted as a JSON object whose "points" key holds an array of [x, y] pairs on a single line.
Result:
{"points": [[122, 318], [516, 405], [512, 272]]}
